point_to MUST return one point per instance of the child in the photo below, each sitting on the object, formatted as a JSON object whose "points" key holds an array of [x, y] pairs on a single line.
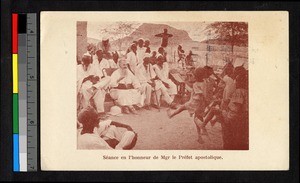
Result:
{"points": [[213, 108], [196, 104], [235, 118]]}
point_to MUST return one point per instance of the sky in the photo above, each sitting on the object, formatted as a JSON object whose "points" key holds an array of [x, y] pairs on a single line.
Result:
{"points": [[194, 29]]}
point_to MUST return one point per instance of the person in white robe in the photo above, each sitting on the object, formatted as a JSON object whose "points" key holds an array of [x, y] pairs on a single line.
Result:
{"points": [[140, 52], [145, 74], [103, 63], [90, 88], [163, 85], [126, 89], [132, 59], [162, 71]]}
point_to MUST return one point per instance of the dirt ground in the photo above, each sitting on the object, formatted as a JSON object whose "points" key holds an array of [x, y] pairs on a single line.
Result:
{"points": [[157, 132]]}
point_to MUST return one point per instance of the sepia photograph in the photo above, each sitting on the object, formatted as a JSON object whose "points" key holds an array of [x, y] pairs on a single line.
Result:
{"points": [[162, 85], [182, 90]]}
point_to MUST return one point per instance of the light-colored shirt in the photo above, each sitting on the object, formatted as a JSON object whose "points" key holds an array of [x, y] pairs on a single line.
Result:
{"points": [[91, 141], [105, 131], [229, 87], [132, 60], [140, 53], [165, 70], [159, 73], [145, 74], [81, 74], [129, 79]]}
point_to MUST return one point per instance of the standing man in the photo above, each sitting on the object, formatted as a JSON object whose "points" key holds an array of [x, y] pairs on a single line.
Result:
{"points": [[140, 52], [164, 38], [105, 47], [147, 46], [131, 58]]}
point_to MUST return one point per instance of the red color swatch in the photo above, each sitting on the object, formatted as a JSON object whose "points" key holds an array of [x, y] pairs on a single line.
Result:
{"points": [[14, 33]]}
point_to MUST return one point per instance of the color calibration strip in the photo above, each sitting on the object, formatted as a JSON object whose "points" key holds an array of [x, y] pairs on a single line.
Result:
{"points": [[24, 92], [16, 162]]}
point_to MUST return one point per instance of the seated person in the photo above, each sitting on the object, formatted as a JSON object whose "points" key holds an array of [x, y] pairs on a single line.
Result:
{"points": [[90, 87], [98, 132], [103, 63], [162, 72], [145, 74], [126, 89], [163, 85]]}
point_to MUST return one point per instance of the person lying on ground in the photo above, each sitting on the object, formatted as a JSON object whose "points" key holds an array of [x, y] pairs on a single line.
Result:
{"points": [[99, 132]]}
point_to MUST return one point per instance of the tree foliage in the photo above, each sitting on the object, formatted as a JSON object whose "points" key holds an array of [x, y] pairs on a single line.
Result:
{"points": [[233, 33], [119, 30]]}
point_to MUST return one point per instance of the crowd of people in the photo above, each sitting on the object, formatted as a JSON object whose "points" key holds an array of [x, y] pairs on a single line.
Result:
{"points": [[140, 79]]}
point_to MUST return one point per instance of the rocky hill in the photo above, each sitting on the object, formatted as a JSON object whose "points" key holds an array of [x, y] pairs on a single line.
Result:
{"points": [[148, 31]]}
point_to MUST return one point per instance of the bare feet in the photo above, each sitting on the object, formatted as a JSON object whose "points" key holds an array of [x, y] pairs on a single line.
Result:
{"points": [[132, 110], [173, 105], [126, 110], [147, 107]]}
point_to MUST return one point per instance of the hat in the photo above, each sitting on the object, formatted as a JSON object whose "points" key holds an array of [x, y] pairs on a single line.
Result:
{"points": [[115, 111], [99, 51], [140, 39], [132, 44], [104, 38], [147, 55], [86, 54], [86, 58]]}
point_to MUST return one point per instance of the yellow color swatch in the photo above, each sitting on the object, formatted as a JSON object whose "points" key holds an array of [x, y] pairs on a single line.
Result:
{"points": [[15, 73]]}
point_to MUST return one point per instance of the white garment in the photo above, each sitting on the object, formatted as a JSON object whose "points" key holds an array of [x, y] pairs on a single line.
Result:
{"points": [[108, 131], [132, 60], [229, 87], [104, 64], [160, 88], [125, 97], [87, 90], [163, 74], [140, 53], [91, 141], [144, 76], [81, 74]]}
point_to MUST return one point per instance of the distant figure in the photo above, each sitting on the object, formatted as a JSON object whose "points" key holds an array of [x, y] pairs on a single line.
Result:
{"points": [[189, 59], [180, 53], [164, 38], [147, 46]]}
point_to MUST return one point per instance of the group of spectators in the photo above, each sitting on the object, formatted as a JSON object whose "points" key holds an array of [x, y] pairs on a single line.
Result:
{"points": [[140, 79]]}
